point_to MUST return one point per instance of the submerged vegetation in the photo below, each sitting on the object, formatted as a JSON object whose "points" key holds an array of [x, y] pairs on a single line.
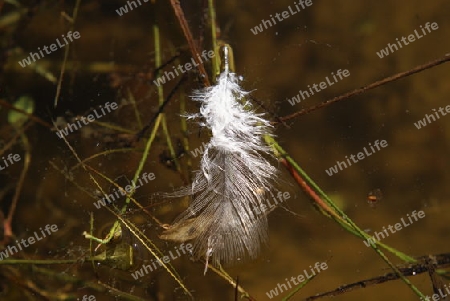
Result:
{"points": [[96, 135]]}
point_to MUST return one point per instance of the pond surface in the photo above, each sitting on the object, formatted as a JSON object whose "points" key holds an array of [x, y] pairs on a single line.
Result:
{"points": [[386, 149]]}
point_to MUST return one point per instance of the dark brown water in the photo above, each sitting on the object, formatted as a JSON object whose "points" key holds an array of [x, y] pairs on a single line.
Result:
{"points": [[114, 57]]}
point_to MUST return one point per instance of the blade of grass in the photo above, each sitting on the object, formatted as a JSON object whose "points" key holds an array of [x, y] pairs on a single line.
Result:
{"points": [[116, 225]]}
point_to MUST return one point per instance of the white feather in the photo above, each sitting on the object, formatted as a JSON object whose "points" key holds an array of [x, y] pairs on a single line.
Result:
{"points": [[224, 218]]}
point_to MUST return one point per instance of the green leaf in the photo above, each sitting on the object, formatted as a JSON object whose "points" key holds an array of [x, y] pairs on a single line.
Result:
{"points": [[25, 103]]}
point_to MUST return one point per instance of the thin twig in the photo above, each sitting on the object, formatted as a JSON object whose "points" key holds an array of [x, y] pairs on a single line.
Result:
{"points": [[7, 223], [188, 35], [376, 84], [441, 260]]}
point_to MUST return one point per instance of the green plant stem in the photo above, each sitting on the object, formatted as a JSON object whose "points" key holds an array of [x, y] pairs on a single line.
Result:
{"points": [[342, 218], [161, 98], [116, 225]]}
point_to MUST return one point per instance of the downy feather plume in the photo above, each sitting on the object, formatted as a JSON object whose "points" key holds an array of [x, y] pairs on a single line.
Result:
{"points": [[226, 219]]}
